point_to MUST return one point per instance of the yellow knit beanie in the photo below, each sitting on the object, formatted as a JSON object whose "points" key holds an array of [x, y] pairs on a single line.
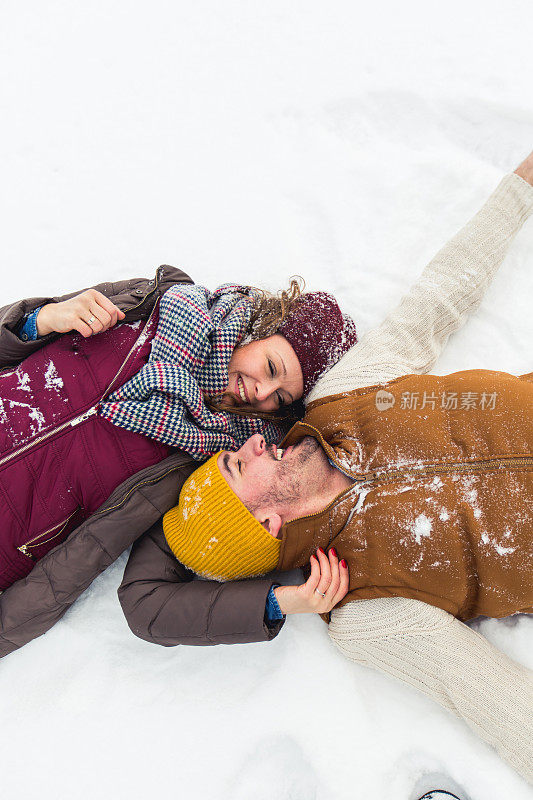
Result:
{"points": [[212, 532]]}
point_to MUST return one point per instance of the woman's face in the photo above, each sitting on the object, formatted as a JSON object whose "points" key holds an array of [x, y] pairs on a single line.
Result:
{"points": [[266, 374]]}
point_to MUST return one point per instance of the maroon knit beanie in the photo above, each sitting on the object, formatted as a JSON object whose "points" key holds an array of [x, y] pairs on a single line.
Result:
{"points": [[319, 334]]}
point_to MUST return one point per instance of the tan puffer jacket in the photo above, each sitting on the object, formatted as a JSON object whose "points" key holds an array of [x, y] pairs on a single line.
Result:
{"points": [[442, 505]]}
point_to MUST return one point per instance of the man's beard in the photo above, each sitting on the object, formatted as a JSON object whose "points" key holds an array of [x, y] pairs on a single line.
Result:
{"points": [[305, 449], [290, 481]]}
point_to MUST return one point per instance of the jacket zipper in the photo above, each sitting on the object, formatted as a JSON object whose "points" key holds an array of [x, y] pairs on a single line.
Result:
{"points": [[35, 543], [138, 342], [385, 476], [134, 487], [24, 547], [498, 462], [93, 410]]}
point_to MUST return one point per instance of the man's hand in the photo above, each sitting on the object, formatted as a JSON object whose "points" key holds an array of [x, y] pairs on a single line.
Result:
{"points": [[328, 576], [89, 312], [525, 169]]}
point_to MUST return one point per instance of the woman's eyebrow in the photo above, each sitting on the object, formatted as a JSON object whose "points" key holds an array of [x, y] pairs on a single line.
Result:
{"points": [[284, 375], [282, 364]]}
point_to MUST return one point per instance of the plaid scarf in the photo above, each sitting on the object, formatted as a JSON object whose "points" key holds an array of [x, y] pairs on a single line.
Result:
{"points": [[197, 332]]}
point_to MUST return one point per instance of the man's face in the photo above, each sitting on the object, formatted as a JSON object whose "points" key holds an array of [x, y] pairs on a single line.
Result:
{"points": [[267, 479]]}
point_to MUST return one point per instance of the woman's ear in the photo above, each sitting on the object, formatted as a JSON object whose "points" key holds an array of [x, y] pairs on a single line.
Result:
{"points": [[271, 521]]}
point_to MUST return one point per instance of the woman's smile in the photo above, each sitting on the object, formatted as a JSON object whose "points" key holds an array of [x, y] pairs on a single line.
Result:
{"points": [[241, 389]]}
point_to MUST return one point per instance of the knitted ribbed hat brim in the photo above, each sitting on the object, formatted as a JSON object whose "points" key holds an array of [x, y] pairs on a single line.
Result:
{"points": [[212, 533]]}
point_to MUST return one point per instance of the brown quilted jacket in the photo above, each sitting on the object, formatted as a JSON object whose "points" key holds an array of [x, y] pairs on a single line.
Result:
{"points": [[182, 610], [441, 509]]}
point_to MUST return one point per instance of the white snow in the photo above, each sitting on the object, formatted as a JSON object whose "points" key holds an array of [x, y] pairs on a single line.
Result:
{"points": [[251, 141], [361, 496], [500, 548], [37, 416], [504, 551], [23, 381], [190, 504], [52, 379], [34, 414], [210, 544], [422, 527]]}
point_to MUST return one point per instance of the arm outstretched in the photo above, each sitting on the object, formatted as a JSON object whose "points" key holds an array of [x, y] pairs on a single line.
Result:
{"points": [[442, 657], [450, 288]]}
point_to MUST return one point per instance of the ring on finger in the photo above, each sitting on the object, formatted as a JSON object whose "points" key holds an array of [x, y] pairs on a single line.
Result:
{"points": [[91, 320], [322, 594]]}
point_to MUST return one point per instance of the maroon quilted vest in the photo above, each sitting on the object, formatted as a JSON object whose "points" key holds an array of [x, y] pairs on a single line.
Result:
{"points": [[59, 459]]}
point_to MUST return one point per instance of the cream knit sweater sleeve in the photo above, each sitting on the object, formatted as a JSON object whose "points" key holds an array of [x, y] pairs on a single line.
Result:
{"points": [[450, 288], [418, 643], [443, 658]]}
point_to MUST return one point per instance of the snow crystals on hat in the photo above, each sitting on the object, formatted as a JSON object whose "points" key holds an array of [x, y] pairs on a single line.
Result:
{"points": [[319, 334]]}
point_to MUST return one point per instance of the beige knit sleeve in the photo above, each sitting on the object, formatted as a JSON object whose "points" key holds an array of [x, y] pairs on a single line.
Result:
{"points": [[432, 651], [450, 288]]}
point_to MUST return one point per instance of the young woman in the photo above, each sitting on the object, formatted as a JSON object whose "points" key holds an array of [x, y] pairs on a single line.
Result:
{"points": [[118, 392]]}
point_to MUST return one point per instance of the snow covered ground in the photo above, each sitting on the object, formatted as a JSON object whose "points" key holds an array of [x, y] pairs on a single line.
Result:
{"points": [[344, 141]]}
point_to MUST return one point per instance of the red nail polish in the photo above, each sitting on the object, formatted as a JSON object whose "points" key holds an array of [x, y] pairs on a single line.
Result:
{"points": [[321, 551], [332, 550], [343, 563]]}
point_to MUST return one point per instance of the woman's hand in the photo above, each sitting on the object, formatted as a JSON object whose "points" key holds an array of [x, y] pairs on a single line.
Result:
{"points": [[89, 312], [525, 169], [328, 576]]}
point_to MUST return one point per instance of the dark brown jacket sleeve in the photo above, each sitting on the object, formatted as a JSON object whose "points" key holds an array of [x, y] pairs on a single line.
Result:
{"points": [[33, 604], [165, 605], [135, 297]]}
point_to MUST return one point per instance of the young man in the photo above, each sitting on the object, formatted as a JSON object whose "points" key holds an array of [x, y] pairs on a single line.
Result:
{"points": [[424, 483]]}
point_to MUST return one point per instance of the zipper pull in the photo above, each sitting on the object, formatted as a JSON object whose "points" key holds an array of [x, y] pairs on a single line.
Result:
{"points": [[23, 549], [85, 416]]}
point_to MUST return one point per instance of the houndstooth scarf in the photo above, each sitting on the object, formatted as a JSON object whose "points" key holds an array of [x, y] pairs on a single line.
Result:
{"points": [[196, 335]]}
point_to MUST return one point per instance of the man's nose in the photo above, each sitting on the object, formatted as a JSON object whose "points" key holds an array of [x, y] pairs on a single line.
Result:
{"points": [[257, 444]]}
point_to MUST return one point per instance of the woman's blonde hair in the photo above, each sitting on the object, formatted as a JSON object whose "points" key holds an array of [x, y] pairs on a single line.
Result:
{"points": [[269, 311]]}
